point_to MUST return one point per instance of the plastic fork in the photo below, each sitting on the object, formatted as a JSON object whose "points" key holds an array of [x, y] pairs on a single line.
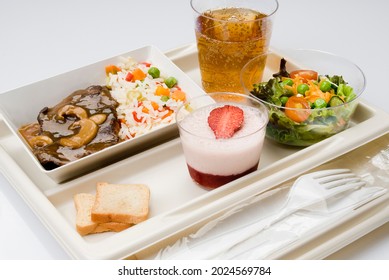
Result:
{"points": [[318, 186], [307, 190]]}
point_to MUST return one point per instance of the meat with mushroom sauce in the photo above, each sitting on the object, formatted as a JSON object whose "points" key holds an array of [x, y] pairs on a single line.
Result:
{"points": [[83, 123]]}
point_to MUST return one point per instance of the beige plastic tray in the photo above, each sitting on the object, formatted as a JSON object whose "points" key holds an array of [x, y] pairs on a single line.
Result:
{"points": [[178, 206]]}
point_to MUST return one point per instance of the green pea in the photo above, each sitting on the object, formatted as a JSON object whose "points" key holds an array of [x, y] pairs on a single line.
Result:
{"points": [[320, 103], [170, 82], [288, 82], [302, 88], [154, 72], [283, 100], [164, 98], [325, 86]]}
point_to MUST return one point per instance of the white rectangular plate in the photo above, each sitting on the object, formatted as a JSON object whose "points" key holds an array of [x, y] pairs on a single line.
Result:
{"points": [[177, 204], [21, 106]]}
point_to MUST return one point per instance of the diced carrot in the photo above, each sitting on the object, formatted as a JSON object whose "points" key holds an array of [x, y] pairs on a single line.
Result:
{"points": [[155, 105], [138, 74], [113, 69], [327, 96], [313, 95], [129, 77], [178, 95], [168, 113], [291, 88], [146, 110], [147, 64], [312, 98], [160, 91]]}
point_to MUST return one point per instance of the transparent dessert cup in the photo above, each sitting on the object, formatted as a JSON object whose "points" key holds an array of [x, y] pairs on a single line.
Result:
{"points": [[214, 162]]}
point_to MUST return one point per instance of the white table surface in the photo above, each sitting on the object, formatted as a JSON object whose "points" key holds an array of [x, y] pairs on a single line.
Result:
{"points": [[42, 38]]}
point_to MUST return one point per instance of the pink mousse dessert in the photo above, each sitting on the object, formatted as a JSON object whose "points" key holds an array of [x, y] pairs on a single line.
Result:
{"points": [[222, 138]]}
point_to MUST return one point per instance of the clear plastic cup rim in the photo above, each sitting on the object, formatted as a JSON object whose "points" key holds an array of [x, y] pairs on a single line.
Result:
{"points": [[260, 106]]}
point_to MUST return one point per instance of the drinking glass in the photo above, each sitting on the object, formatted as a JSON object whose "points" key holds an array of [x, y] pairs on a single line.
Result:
{"points": [[229, 33]]}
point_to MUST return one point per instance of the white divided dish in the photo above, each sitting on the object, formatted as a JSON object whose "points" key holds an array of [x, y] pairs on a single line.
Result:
{"points": [[177, 206], [51, 91]]}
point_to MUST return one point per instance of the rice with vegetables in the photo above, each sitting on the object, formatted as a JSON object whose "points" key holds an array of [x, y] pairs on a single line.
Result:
{"points": [[147, 97]]}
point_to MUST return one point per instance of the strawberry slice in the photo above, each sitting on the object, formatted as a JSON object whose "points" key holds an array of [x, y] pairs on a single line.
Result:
{"points": [[225, 121]]}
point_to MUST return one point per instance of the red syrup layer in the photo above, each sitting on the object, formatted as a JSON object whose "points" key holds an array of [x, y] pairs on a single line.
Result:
{"points": [[215, 181]]}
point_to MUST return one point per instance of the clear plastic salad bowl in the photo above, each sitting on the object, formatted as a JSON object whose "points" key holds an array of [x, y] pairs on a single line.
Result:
{"points": [[293, 121]]}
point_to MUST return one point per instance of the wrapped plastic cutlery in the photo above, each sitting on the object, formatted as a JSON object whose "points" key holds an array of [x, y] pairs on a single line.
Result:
{"points": [[316, 192]]}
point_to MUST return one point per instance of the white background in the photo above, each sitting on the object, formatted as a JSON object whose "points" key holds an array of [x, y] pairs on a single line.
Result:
{"points": [[42, 38]]}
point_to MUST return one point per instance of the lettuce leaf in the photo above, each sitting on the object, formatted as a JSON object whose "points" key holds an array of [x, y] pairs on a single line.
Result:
{"points": [[270, 91]]}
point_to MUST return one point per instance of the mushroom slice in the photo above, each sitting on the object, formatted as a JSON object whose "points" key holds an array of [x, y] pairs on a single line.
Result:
{"points": [[88, 131], [98, 118], [72, 110], [40, 141]]}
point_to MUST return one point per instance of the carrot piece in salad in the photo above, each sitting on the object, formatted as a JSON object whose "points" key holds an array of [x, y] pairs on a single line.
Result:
{"points": [[313, 96], [314, 93], [112, 69], [178, 95], [138, 74], [145, 110], [161, 91], [167, 114], [147, 64], [155, 105]]}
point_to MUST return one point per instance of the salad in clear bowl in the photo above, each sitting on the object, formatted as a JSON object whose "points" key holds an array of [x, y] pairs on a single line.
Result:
{"points": [[306, 103]]}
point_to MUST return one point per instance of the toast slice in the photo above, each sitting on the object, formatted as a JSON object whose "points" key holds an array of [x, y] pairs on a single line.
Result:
{"points": [[84, 225], [121, 203]]}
